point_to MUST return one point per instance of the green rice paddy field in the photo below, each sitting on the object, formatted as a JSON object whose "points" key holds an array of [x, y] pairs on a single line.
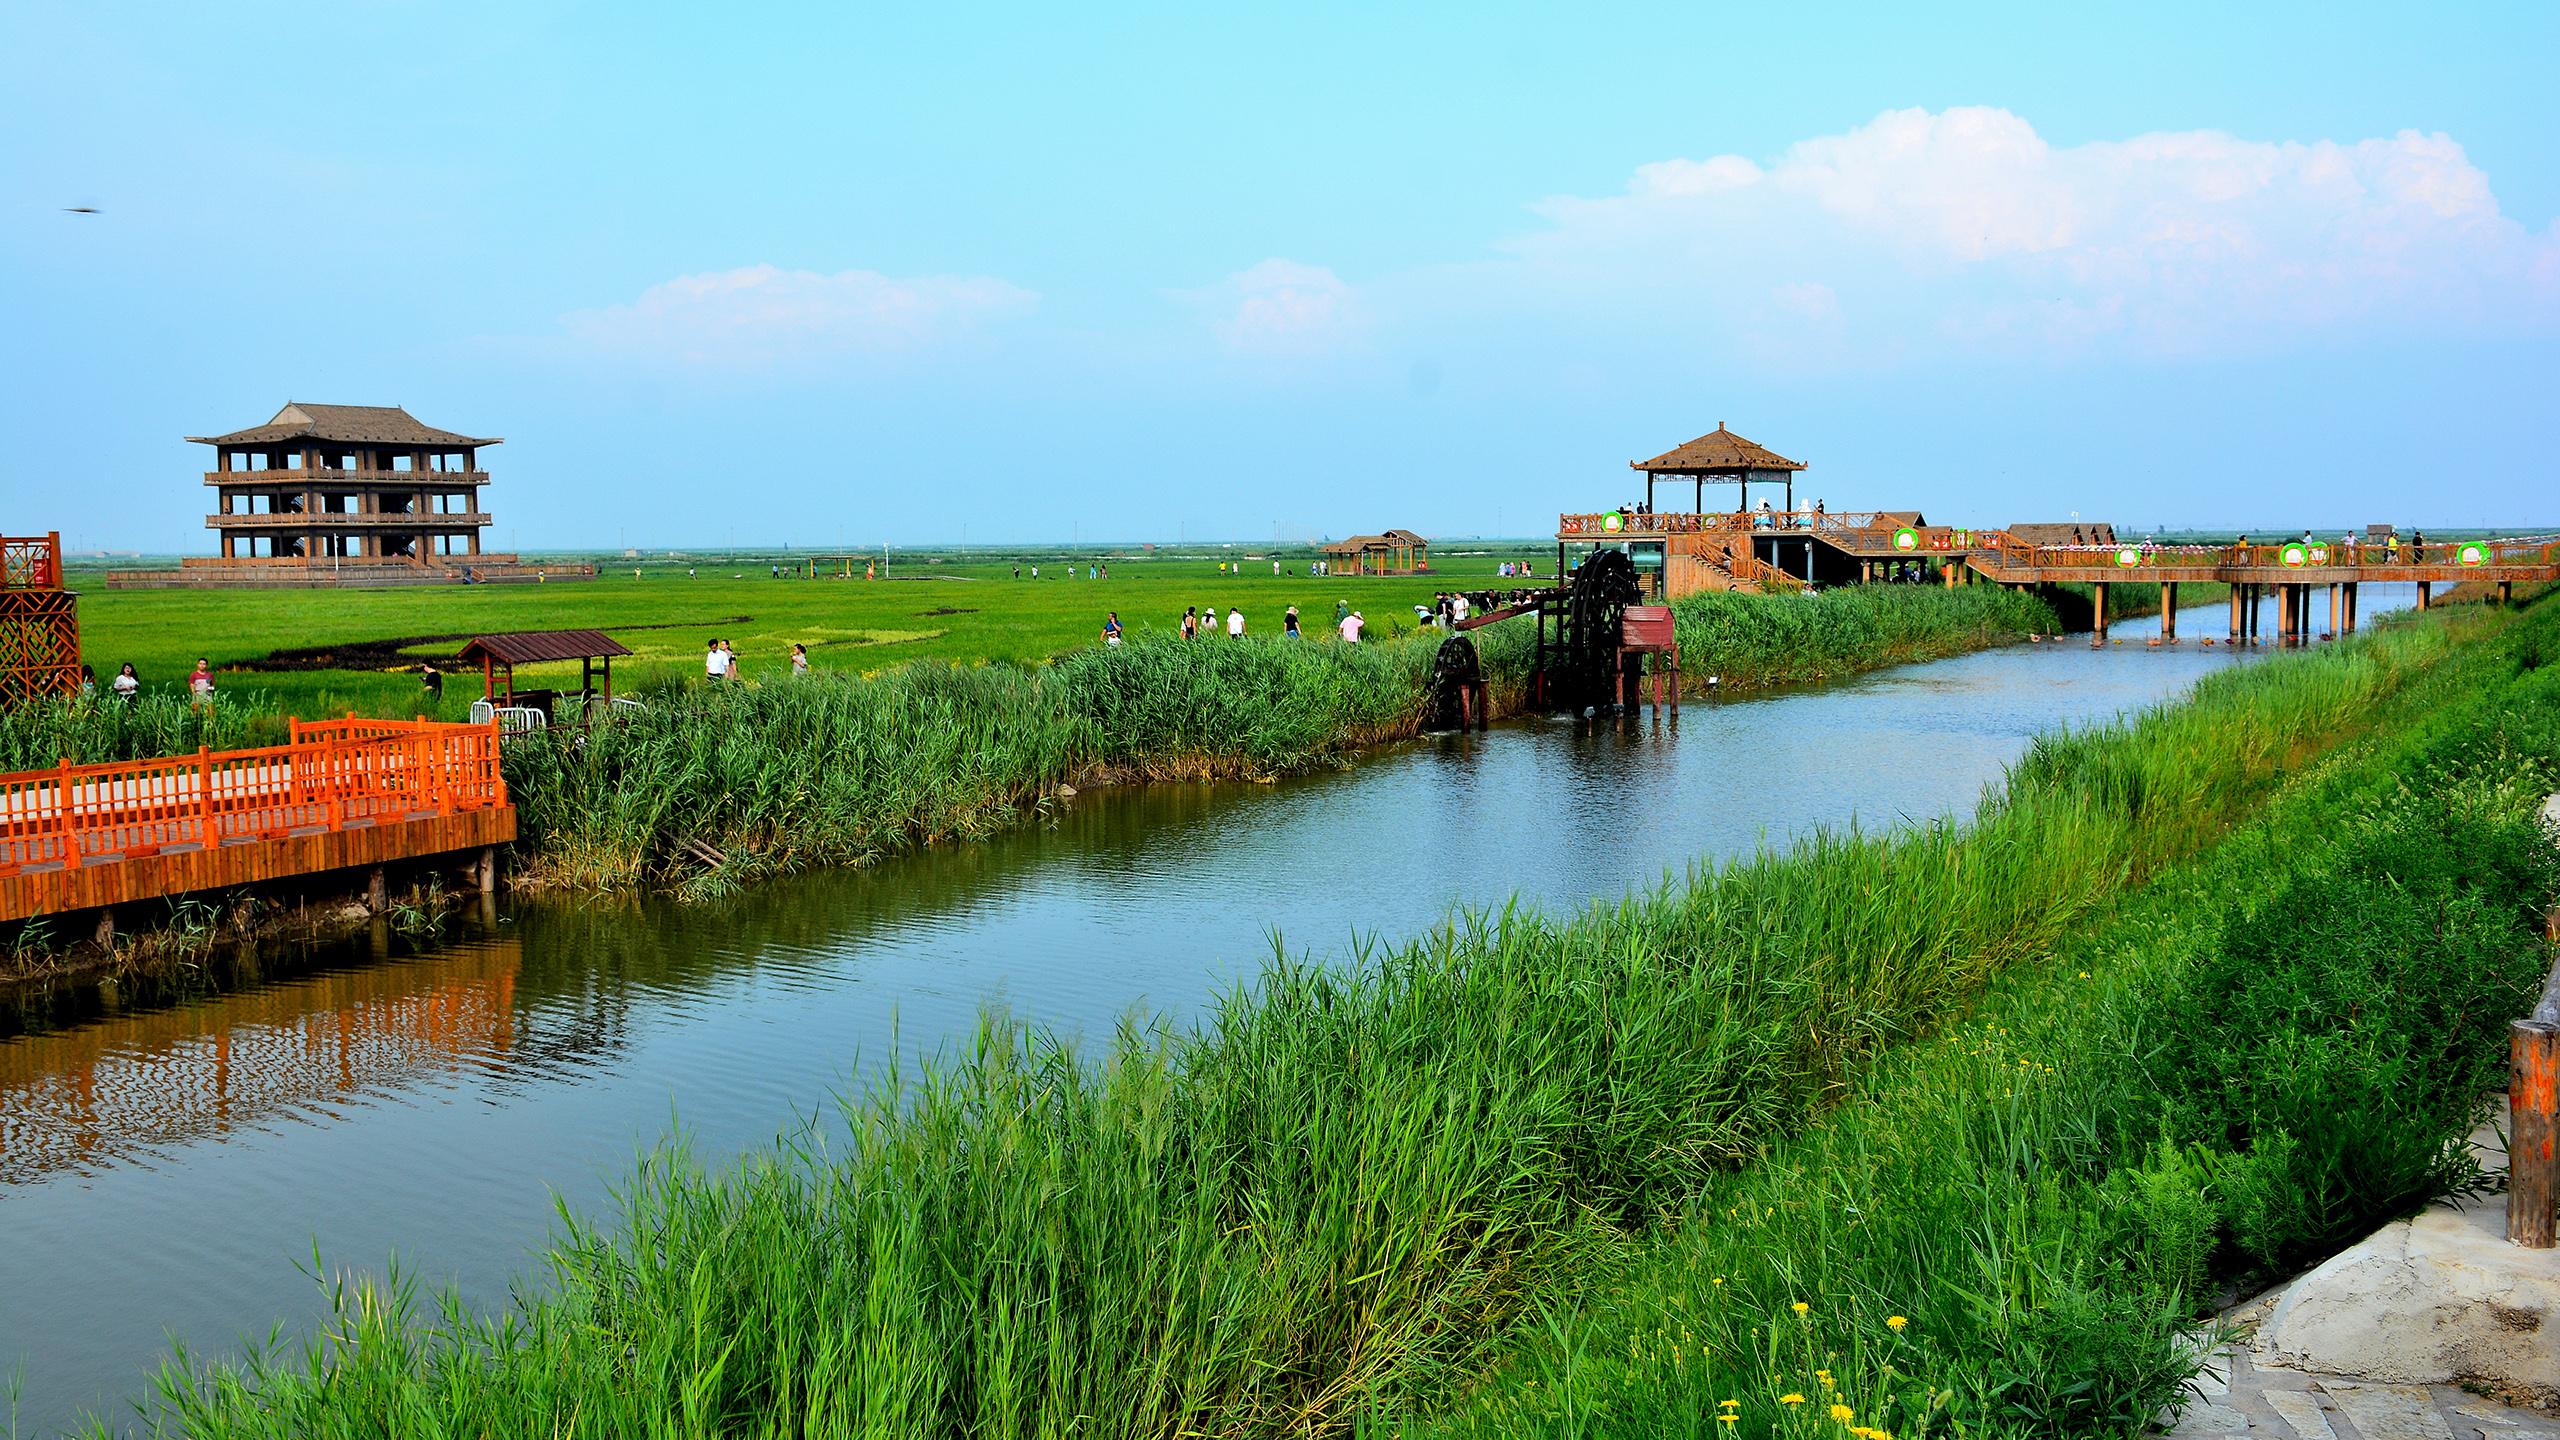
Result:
{"points": [[959, 608]]}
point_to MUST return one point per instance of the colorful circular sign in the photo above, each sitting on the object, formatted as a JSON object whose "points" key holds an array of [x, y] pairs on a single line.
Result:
{"points": [[2471, 552], [2128, 556], [2297, 554], [2319, 554], [1906, 538], [1613, 521]]}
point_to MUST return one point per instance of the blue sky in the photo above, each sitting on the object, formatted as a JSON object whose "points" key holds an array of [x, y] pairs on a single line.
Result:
{"points": [[826, 274]]}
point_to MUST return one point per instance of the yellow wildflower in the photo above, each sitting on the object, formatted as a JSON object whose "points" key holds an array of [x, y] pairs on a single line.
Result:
{"points": [[1800, 1307], [1843, 1413], [1895, 1322], [1730, 1404], [1791, 1398]]}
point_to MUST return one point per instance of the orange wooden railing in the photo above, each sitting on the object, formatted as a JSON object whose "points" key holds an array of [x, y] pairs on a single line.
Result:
{"points": [[2364, 555], [331, 774], [31, 562]]}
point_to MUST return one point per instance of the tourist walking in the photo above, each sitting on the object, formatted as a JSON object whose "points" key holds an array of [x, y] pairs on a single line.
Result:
{"points": [[1289, 623], [715, 664], [1235, 623], [431, 680], [799, 659], [1458, 608], [200, 684], [1111, 627], [1350, 627], [127, 685], [1190, 622], [731, 667]]}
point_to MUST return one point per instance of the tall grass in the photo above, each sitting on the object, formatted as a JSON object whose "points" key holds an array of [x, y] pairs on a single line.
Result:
{"points": [[94, 729], [714, 786], [1752, 640], [1349, 1186], [2007, 1229]]}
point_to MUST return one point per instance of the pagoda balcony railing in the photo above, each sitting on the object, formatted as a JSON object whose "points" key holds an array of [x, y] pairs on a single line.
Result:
{"points": [[301, 479], [2365, 555], [1618, 524], [31, 562], [350, 520]]}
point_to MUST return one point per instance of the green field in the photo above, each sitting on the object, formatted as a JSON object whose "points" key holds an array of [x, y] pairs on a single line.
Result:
{"points": [[961, 608]]}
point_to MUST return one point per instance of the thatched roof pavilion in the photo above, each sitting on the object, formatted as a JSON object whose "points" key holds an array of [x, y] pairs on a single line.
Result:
{"points": [[1720, 457]]}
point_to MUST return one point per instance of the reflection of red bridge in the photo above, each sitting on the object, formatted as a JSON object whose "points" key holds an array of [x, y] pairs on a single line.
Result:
{"points": [[95, 1093], [340, 795]]}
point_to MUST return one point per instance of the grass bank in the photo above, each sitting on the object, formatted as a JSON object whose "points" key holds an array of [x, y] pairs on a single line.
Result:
{"points": [[2005, 1229], [714, 786], [1351, 1189]]}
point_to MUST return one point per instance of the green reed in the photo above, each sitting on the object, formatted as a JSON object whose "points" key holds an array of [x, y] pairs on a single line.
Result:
{"points": [[1751, 640], [1348, 1188], [2008, 1228], [94, 729]]}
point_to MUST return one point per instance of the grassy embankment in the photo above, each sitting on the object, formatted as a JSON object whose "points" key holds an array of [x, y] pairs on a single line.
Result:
{"points": [[1371, 1192], [718, 785]]}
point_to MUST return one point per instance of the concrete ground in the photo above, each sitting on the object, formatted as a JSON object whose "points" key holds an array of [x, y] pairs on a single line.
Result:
{"points": [[2238, 1396]]}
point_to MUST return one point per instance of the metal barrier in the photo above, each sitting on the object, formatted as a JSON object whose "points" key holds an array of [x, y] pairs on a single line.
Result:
{"points": [[331, 775]]}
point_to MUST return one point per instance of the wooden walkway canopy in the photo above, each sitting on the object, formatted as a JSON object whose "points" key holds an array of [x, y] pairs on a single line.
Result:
{"points": [[499, 655]]}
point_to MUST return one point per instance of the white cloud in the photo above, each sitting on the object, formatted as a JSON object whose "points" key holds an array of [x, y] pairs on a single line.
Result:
{"points": [[762, 316], [1965, 226], [1280, 308]]}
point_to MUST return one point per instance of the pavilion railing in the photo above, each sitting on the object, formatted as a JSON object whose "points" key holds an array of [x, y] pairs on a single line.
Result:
{"points": [[331, 774], [2365, 556], [31, 562]]}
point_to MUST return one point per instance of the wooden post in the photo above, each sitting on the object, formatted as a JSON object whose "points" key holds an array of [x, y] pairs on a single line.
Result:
{"points": [[376, 891], [2169, 611], [2426, 595], [2236, 588], [485, 873], [106, 931], [2506, 593], [204, 795], [2098, 620], [2533, 1127]]}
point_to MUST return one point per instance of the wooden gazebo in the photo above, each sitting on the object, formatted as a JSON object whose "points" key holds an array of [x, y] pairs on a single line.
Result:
{"points": [[1397, 552], [1720, 457], [499, 655]]}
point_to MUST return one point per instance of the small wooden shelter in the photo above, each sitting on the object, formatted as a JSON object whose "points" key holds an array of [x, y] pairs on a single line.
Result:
{"points": [[1397, 552], [499, 655], [1721, 457]]}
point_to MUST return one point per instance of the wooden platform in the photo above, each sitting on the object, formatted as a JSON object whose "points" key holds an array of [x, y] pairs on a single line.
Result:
{"points": [[341, 795]]}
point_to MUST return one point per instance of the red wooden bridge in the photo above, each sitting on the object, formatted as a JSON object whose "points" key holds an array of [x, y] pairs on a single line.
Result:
{"points": [[339, 795]]}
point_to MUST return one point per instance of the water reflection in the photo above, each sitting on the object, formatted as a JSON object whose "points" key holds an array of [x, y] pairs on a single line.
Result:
{"points": [[165, 1161]]}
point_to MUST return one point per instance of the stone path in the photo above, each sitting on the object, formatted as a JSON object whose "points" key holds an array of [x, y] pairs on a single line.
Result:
{"points": [[2238, 1396]]}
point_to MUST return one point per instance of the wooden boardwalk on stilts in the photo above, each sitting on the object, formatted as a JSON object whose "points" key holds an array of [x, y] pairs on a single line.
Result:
{"points": [[339, 795]]}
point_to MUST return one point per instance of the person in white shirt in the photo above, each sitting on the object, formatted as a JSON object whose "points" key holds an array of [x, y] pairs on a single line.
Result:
{"points": [[127, 685], [799, 659], [1235, 623], [715, 662], [1351, 627], [1458, 607]]}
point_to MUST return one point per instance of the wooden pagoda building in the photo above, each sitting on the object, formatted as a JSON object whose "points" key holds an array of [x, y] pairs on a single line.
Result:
{"points": [[1720, 458], [1397, 552], [345, 495]]}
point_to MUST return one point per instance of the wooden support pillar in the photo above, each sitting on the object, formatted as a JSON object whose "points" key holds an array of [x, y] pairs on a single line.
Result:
{"points": [[2235, 612], [2533, 1130], [485, 873], [2098, 619], [376, 891], [2169, 611], [106, 931], [2347, 597], [2506, 592], [2286, 595], [2426, 595]]}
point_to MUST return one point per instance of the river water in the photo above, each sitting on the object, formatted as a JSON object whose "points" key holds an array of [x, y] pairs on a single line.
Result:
{"points": [[170, 1164]]}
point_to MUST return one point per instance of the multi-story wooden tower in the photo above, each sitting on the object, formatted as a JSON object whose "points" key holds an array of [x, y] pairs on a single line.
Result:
{"points": [[320, 486], [39, 620]]}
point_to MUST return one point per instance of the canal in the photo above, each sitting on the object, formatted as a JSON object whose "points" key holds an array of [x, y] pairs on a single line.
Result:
{"points": [[171, 1161]]}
